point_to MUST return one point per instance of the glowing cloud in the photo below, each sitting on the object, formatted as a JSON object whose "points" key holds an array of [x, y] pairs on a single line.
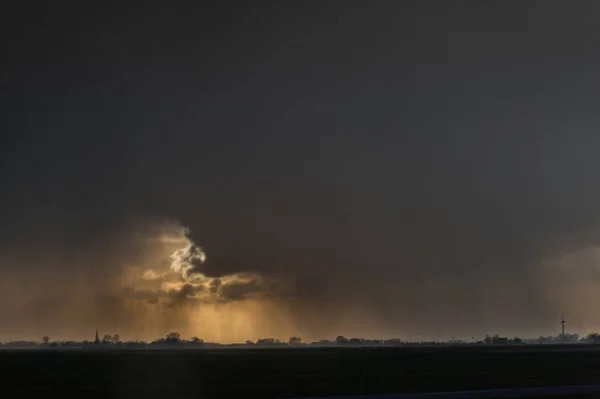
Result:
{"points": [[183, 280]]}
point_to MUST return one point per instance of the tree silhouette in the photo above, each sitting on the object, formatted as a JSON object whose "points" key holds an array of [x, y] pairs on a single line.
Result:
{"points": [[593, 337], [341, 340], [45, 338], [197, 340], [116, 338], [295, 341], [173, 337], [107, 339]]}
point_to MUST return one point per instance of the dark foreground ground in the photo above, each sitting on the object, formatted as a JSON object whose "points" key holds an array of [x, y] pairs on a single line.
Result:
{"points": [[284, 373]]}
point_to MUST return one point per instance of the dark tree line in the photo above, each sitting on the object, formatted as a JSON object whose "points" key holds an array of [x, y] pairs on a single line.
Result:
{"points": [[174, 338]]}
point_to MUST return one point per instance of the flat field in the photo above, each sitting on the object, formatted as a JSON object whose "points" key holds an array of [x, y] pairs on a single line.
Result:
{"points": [[285, 373]]}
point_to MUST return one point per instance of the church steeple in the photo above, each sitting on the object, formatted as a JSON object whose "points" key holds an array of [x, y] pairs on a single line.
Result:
{"points": [[97, 340]]}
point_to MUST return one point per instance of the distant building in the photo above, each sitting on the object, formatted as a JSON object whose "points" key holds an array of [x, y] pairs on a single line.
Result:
{"points": [[97, 339]]}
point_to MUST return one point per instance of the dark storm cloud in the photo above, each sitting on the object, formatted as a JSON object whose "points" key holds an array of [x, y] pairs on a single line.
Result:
{"points": [[230, 290], [186, 292], [419, 160], [253, 286]]}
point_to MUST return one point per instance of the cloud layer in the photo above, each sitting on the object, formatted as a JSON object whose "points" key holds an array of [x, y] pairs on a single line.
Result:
{"points": [[431, 172], [182, 278]]}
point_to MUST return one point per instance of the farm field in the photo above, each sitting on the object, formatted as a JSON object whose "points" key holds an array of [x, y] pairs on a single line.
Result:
{"points": [[288, 373]]}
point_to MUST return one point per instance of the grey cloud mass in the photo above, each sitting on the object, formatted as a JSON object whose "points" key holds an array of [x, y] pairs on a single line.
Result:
{"points": [[417, 169]]}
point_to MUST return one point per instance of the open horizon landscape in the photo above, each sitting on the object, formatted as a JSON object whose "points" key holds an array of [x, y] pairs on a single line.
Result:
{"points": [[168, 287], [316, 198]]}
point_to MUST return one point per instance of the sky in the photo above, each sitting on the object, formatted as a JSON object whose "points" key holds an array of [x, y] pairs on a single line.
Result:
{"points": [[416, 169]]}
